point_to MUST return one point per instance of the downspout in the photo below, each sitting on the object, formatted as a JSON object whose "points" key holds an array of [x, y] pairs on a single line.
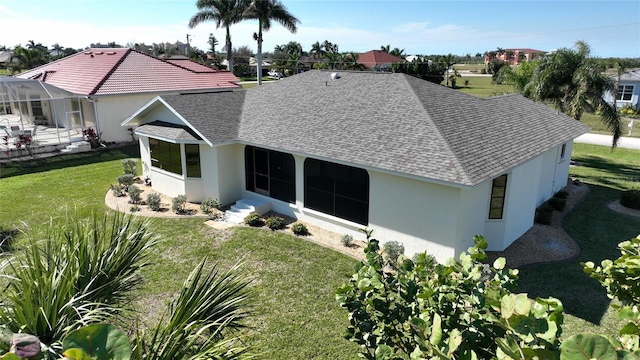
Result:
{"points": [[95, 112]]}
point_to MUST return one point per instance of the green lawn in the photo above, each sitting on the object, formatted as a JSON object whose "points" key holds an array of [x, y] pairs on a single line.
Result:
{"points": [[481, 86], [597, 230], [296, 315]]}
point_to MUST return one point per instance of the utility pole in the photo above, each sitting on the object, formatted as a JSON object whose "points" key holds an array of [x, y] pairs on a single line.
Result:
{"points": [[188, 36]]}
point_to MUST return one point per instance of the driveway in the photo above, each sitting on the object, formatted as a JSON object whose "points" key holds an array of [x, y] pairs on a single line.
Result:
{"points": [[606, 140]]}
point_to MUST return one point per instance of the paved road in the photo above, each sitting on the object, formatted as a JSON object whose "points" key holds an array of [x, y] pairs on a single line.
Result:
{"points": [[606, 140]]}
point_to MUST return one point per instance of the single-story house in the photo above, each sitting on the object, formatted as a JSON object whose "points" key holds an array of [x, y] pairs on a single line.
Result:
{"points": [[628, 90], [514, 56], [378, 58], [414, 161], [110, 84]]}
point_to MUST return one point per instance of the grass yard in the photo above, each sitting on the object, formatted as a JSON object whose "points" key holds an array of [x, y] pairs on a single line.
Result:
{"points": [[295, 313], [597, 230], [598, 127], [481, 86]]}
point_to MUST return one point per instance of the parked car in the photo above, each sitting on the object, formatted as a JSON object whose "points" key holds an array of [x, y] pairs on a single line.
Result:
{"points": [[275, 74]]}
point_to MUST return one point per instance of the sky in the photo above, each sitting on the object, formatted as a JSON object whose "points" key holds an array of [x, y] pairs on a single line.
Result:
{"points": [[611, 28]]}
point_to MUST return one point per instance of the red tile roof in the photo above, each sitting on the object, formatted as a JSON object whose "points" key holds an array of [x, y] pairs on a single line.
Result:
{"points": [[377, 57], [127, 71]]}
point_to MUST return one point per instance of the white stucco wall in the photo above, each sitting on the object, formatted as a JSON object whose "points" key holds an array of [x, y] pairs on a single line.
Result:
{"points": [[112, 110], [519, 208], [554, 172], [230, 160]]}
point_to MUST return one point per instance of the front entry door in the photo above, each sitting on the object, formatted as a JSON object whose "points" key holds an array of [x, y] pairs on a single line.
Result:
{"points": [[261, 166]]}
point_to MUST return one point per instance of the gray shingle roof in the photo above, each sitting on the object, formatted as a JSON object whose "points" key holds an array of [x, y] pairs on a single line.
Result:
{"points": [[392, 122], [215, 115], [167, 130]]}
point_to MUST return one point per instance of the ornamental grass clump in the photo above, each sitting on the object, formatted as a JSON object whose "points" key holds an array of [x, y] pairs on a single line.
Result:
{"points": [[72, 274]]}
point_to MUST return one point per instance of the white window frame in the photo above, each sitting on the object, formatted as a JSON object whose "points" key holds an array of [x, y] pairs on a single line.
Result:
{"points": [[623, 91]]}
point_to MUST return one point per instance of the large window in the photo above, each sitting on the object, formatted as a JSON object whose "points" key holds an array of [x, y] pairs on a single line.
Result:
{"points": [[165, 156], [271, 173], [337, 190], [625, 92], [192, 152], [498, 194]]}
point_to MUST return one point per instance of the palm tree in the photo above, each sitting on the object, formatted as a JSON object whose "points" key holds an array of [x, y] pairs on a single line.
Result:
{"points": [[317, 51], [335, 60], [351, 61], [224, 13], [213, 42], [399, 53], [329, 47], [26, 59], [574, 83], [264, 11], [386, 48]]}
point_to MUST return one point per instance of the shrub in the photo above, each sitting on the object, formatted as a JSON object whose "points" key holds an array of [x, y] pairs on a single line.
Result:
{"points": [[254, 219], [153, 201], [117, 190], [561, 194], [130, 166], [126, 180], [544, 214], [178, 203], [275, 223], [557, 203], [299, 229], [393, 249], [631, 199], [134, 194], [208, 205], [347, 240]]}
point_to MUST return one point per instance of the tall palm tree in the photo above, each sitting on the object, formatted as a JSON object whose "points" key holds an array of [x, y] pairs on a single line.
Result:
{"points": [[265, 11], [317, 51], [385, 48], [213, 42], [351, 61], [398, 53], [225, 13], [574, 83]]}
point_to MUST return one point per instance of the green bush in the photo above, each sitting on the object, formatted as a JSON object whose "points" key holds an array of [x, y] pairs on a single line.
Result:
{"points": [[561, 194], [134, 194], [117, 190], [393, 249], [347, 240], [275, 223], [557, 203], [300, 229], [630, 199], [254, 219], [130, 166], [126, 180], [153, 201], [544, 214], [207, 205], [178, 203]]}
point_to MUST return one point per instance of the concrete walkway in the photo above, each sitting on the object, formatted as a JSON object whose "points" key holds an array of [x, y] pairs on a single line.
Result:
{"points": [[606, 140]]}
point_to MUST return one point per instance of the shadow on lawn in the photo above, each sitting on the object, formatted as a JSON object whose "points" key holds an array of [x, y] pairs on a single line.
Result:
{"points": [[619, 172], [15, 168], [597, 230]]}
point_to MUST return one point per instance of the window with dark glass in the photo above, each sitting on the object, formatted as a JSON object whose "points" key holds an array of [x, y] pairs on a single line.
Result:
{"points": [[338, 190], [270, 173], [192, 155], [625, 92], [165, 156], [498, 194]]}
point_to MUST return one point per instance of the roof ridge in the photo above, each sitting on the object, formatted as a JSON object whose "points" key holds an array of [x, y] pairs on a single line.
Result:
{"points": [[110, 72], [450, 149]]}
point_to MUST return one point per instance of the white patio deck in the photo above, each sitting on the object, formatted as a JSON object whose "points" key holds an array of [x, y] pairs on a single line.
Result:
{"points": [[44, 138]]}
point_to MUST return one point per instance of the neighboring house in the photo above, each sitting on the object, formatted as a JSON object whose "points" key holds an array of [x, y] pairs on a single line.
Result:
{"points": [[377, 58], [628, 90], [110, 84], [5, 58], [514, 56], [414, 161]]}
